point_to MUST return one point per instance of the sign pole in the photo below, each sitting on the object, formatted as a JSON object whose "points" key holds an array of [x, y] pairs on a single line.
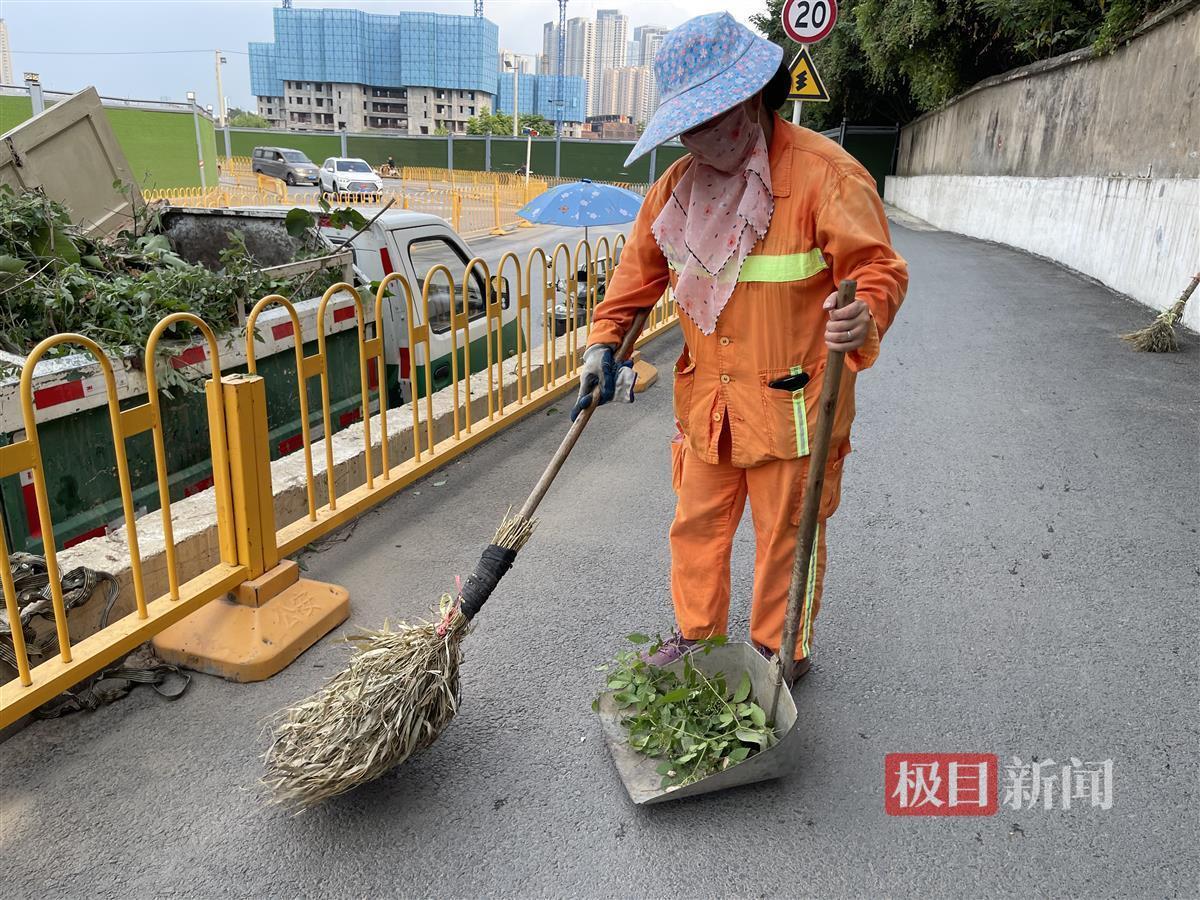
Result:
{"points": [[807, 22]]}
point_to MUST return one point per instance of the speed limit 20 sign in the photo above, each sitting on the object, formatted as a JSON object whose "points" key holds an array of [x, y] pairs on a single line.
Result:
{"points": [[809, 21]]}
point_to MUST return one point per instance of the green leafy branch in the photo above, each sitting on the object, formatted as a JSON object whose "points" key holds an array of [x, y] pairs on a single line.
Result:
{"points": [[54, 279], [694, 723]]}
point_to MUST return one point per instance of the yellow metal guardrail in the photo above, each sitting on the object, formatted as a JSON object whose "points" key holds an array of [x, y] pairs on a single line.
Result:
{"points": [[249, 541], [472, 210], [460, 178], [474, 203]]}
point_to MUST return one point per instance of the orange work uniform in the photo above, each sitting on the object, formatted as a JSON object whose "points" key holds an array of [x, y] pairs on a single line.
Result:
{"points": [[737, 436]]}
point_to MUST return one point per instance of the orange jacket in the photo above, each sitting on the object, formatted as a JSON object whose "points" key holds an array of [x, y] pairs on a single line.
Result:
{"points": [[828, 225]]}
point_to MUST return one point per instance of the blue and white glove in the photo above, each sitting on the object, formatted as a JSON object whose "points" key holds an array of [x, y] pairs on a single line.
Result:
{"points": [[600, 368]]}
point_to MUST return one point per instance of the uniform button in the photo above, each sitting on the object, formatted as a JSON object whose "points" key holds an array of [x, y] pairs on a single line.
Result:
{"points": [[724, 379], [724, 342], [716, 417]]}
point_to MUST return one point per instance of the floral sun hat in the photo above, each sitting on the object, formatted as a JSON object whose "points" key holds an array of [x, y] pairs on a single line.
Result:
{"points": [[705, 66]]}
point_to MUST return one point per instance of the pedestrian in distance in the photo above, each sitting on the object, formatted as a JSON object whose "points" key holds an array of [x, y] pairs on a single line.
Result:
{"points": [[752, 230]]}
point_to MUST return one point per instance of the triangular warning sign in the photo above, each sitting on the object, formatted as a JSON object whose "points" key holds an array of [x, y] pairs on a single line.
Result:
{"points": [[806, 83]]}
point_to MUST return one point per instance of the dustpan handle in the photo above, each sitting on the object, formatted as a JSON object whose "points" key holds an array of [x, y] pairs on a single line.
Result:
{"points": [[576, 429], [818, 456]]}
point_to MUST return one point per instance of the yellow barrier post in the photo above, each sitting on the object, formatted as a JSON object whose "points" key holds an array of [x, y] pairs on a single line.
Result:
{"points": [[255, 613], [497, 227], [275, 615]]}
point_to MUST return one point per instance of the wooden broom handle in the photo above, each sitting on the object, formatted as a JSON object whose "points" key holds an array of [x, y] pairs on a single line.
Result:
{"points": [[576, 429], [817, 458]]}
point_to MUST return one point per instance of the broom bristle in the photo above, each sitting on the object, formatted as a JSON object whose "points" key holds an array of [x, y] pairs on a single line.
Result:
{"points": [[1157, 337], [397, 695], [514, 532]]}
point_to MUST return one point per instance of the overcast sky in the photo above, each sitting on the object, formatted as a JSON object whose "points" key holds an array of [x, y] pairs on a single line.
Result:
{"points": [[50, 37]]}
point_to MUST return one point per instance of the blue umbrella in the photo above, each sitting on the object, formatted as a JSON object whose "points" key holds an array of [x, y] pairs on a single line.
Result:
{"points": [[582, 204]]}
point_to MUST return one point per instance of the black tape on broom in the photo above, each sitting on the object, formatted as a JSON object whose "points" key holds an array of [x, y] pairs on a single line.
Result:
{"points": [[492, 566]]}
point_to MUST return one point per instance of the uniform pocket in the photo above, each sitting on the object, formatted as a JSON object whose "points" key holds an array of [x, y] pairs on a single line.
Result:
{"points": [[787, 413], [831, 487], [677, 451], [685, 376]]}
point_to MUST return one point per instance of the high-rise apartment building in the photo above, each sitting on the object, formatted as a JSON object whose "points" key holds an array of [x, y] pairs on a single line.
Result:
{"points": [[648, 39], [612, 44], [548, 58], [334, 69], [627, 93], [6, 69], [580, 54]]}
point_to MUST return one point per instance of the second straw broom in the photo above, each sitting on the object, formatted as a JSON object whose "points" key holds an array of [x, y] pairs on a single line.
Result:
{"points": [[401, 688]]}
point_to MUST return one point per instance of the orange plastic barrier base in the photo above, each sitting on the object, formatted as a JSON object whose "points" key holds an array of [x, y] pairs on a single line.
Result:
{"points": [[646, 374], [257, 630]]}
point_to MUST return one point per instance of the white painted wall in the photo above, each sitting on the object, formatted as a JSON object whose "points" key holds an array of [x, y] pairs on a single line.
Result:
{"points": [[1139, 236]]}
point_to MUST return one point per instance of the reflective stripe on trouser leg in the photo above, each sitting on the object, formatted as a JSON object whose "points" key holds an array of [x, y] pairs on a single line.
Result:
{"points": [[774, 501], [800, 416], [806, 616]]}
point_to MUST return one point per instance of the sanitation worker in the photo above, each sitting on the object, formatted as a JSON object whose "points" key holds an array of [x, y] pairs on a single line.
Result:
{"points": [[752, 230]]}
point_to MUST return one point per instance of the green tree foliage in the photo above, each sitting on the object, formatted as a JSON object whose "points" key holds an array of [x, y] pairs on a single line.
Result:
{"points": [[488, 122], [890, 60], [240, 118]]}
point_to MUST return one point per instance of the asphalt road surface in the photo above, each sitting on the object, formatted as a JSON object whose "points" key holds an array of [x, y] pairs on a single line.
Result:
{"points": [[1013, 571]]}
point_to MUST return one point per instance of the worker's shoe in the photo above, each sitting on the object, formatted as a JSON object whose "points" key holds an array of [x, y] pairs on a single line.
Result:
{"points": [[798, 671], [675, 647]]}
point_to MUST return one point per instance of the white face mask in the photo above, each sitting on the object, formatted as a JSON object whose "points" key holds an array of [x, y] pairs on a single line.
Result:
{"points": [[724, 142]]}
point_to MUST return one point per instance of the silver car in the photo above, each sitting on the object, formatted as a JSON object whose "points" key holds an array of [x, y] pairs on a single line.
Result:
{"points": [[287, 165]]}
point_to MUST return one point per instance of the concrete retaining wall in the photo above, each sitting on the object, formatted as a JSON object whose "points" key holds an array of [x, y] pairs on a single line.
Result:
{"points": [[1139, 236], [1091, 161]]}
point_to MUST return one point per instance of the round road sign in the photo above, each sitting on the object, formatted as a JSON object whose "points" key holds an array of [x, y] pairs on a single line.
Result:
{"points": [[809, 21]]}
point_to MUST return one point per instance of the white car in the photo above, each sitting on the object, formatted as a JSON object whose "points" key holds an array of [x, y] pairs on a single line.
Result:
{"points": [[346, 175]]}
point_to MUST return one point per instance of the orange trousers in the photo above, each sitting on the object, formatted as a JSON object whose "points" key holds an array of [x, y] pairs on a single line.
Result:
{"points": [[711, 501]]}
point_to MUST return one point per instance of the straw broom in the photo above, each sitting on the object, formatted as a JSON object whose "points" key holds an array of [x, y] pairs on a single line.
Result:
{"points": [[401, 688], [1159, 335]]}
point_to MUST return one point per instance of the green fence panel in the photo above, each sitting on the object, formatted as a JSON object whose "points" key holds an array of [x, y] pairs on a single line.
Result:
{"points": [[470, 153], [161, 146], [600, 160], [875, 152], [415, 151], [317, 147], [14, 111], [665, 156], [508, 155]]}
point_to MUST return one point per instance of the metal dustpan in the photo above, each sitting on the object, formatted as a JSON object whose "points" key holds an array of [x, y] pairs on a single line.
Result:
{"points": [[767, 677], [639, 772]]}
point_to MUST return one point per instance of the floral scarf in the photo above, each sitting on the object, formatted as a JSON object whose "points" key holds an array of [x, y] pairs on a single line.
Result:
{"points": [[718, 211]]}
